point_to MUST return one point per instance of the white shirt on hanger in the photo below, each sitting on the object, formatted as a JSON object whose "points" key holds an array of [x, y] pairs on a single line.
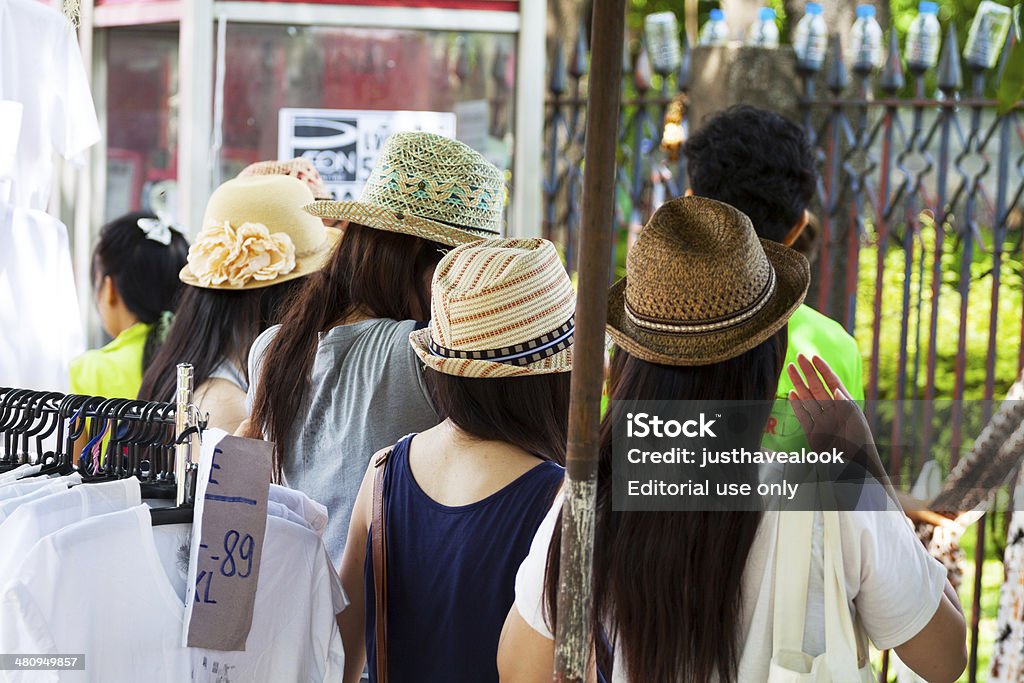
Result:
{"points": [[19, 472], [20, 487], [50, 488], [39, 518], [38, 302], [131, 593], [41, 67]]}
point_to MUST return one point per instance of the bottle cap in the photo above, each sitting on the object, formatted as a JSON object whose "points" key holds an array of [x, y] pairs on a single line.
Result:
{"points": [[813, 8], [717, 15], [865, 11], [766, 14], [927, 7]]}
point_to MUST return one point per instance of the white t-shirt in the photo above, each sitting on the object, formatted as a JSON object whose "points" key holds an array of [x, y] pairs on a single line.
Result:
{"points": [[20, 487], [39, 518], [128, 619], [37, 298], [53, 486], [41, 67], [19, 472], [894, 586]]}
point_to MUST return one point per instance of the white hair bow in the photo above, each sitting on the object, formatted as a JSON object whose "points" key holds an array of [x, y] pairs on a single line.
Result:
{"points": [[157, 230]]}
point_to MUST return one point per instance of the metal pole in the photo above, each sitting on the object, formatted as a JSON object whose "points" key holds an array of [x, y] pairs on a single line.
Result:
{"points": [[572, 643], [182, 408]]}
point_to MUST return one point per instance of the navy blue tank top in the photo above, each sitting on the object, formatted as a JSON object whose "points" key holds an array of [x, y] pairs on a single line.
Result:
{"points": [[451, 573]]}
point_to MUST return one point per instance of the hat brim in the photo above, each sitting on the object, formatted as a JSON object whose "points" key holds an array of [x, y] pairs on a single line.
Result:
{"points": [[793, 276], [304, 266], [381, 218], [459, 367]]}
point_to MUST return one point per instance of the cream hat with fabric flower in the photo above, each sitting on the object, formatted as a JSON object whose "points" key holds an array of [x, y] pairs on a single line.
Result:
{"points": [[255, 234]]}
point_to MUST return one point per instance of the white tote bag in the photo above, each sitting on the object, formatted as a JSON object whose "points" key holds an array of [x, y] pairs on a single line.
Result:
{"points": [[845, 657]]}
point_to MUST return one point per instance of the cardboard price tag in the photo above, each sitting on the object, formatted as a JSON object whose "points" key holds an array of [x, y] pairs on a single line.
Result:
{"points": [[227, 541]]}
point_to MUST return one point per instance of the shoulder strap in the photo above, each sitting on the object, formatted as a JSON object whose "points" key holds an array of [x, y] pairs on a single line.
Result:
{"points": [[380, 567], [791, 578], [844, 641]]}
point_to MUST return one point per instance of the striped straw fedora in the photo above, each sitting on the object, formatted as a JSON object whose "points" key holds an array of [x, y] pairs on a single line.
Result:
{"points": [[501, 308], [427, 186], [701, 288]]}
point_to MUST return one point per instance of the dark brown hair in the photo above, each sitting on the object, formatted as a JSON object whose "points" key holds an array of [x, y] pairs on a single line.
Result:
{"points": [[374, 272], [530, 412], [668, 584], [211, 327]]}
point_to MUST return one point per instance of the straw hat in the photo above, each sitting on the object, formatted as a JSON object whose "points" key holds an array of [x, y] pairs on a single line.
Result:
{"points": [[501, 308], [299, 168], [701, 288], [427, 186], [255, 234]]}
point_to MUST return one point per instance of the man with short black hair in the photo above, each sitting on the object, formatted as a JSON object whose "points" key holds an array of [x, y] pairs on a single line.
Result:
{"points": [[763, 165]]}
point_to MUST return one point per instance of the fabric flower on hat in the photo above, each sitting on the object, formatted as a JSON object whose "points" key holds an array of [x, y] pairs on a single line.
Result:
{"points": [[224, 253]]}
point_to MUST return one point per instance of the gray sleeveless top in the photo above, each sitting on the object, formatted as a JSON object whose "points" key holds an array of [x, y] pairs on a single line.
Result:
{"points": [[366, 393]]}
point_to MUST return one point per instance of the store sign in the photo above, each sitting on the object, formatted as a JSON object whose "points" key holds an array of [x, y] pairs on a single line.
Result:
{"points": [[344, 144]]}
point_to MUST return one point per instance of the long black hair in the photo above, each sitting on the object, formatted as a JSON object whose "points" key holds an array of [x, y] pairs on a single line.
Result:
{"points": [[144, 272], [211, 327], [669, 583]]}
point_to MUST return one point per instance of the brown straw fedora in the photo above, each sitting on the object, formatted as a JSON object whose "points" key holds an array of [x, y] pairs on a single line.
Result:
{"points": [[701, 288], [427, 186], [500, 308]]}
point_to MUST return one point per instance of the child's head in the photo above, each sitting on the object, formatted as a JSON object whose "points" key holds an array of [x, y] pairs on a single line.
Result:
{"points": [[135, 274]]}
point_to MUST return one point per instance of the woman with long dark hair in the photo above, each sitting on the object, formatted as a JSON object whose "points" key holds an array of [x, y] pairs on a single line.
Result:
{"points": [[135, 268], [688, 596], [256, 244], [463, 499], [337, 379]]}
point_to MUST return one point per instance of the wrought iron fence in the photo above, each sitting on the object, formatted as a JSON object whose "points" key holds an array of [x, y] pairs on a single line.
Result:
{"points": [[919, 208]]}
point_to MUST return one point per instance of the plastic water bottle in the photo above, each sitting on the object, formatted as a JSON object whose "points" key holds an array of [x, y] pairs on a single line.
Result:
{"points": [[661, 32], [764, 33], [987, 35], [923, 38], [716, 31], [811, 38], [866, 41]]}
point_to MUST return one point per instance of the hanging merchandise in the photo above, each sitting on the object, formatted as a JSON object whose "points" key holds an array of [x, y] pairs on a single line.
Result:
{"points": [[38, 305], [110, 527], [58, 113]]}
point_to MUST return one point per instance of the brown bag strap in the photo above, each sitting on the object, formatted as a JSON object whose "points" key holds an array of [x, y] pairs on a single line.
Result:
{"points": [[380, 566]]}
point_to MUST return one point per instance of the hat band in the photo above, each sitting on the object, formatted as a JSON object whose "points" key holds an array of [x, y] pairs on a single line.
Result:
{"points": [[312, 252], [694, 328], [524, 353]]}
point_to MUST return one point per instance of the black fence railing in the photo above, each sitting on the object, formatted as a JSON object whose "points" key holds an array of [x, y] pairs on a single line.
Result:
{"points": [[919, 215]]}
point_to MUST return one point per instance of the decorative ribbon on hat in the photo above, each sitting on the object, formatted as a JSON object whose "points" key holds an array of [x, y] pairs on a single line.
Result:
{"points": [[523, 353], [696, 328], [157, 229]]}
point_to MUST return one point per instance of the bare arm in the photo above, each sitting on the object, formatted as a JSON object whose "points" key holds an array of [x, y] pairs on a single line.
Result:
{"points": [[352, 621], [939, 652], [524, 656]]}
